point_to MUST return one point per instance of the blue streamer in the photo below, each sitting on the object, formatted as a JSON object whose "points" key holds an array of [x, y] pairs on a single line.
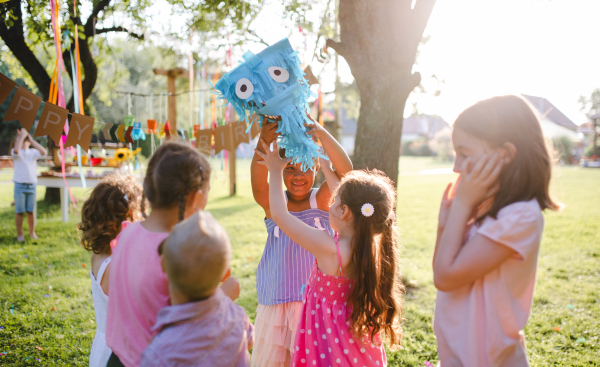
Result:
{"points": [[267, 92], [67, 43]]}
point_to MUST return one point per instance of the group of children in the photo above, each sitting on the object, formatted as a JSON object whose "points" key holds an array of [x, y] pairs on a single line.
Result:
{"points": [[328, 283]]}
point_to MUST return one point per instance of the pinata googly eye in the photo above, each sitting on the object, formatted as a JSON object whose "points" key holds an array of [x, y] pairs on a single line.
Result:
{"points": [[271, 84]]}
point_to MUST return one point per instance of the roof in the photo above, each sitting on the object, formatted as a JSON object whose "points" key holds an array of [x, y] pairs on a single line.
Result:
{"points": [[550, 112]]}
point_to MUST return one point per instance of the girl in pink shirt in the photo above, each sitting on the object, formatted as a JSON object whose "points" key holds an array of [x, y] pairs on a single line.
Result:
{"points": [[489, 233], [176, 186]]}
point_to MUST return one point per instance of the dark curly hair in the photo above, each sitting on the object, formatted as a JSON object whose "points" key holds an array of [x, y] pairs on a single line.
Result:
{"points": [[376, 297], [105, 210]]}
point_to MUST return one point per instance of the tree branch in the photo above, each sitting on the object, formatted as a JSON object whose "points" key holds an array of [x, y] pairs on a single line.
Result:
{"points": [[339, 47], [90, 24], [121, 29], [14, 39]]}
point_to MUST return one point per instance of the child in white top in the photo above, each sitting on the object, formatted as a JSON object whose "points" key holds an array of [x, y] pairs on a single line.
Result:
{"points": [[113, 204], [489, 234], [25, 179]]}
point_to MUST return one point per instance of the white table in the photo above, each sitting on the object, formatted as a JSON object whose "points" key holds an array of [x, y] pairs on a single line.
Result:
{"points": [[53, 181]]}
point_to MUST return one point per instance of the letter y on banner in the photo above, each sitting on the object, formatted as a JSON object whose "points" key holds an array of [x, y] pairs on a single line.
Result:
{"points": [[80, 131]]}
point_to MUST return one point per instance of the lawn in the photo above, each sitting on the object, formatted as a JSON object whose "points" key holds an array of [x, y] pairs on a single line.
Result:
{"points": [[47, 316]]}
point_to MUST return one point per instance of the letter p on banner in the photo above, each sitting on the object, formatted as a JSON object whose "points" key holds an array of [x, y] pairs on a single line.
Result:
{"points": [[52, 122], [80, 131], [23, 108]]}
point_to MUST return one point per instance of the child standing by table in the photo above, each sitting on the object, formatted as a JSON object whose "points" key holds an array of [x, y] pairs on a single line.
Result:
{"points": [[25, 179]]}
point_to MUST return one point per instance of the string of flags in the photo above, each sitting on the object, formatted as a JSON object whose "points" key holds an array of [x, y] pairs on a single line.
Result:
{"points": [[25, 105]]}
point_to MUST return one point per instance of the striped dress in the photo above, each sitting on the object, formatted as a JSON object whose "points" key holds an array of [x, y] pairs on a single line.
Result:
{"points": [[281, 277]]}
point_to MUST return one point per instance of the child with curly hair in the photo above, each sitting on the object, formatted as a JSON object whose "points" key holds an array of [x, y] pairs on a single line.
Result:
{"points": [[114, 202]]}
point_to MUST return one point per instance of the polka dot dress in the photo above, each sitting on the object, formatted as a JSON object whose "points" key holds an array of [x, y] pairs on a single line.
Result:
{"points": [[322, 337]]}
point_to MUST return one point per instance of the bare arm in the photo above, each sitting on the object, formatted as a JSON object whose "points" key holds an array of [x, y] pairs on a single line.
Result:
{"points": [[259, 173], [37, 145], [317, 242], [455, 265], [21, 136]]}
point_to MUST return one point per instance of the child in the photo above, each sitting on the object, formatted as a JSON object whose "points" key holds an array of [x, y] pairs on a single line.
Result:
{"points": [[25, 179], [353, 293], [115, 200], [202, 327], [284, 267], [176, 185], [485, 280]]}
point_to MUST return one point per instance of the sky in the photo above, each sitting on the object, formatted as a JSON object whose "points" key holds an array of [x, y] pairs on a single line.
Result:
{"points": [[476, 49], [483, 48]]}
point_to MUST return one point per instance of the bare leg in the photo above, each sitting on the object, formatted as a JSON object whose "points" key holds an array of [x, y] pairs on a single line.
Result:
{"points": [[31, 224], [19, 222]]}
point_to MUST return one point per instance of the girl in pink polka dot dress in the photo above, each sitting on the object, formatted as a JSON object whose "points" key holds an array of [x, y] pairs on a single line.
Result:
{"points": [[353, 294]]}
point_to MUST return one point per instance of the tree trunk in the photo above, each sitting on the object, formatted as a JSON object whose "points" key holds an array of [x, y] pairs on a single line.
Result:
{"points": [[379, 127], [379, 40]]}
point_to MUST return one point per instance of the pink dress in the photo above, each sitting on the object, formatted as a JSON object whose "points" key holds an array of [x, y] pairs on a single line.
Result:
{"points": [[322, 337]]}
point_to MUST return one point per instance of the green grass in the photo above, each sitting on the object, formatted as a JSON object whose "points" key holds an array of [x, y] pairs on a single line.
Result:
{"points": [[567, 294]]}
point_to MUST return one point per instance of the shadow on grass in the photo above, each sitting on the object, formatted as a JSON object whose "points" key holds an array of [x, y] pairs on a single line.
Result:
{"points": [[220, 213]]}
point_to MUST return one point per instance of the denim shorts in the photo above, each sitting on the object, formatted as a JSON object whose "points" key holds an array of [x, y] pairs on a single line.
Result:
{"points": [[24, 197]]}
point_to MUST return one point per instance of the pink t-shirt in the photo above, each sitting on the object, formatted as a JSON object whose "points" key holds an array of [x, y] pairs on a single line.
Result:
{"points": [[479, 324], [138, 290]]}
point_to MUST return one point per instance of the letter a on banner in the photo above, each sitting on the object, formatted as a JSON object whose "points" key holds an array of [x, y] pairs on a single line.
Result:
{"points": [[23, 108], [80, 131], [204, 140], [52, 122], [6, 86]]}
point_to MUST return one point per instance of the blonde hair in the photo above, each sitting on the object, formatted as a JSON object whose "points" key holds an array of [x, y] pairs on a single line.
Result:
{"points": [[510, 119]]}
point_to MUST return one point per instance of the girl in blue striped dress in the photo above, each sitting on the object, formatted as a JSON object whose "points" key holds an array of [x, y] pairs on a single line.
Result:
{"points": [[284, 268]]}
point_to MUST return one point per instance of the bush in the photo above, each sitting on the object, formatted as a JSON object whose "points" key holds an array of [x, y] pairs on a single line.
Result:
{"points": [[564, 147]]}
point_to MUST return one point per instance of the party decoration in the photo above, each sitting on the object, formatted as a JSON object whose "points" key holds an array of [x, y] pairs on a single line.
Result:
{"points": [[120, 131], [203, 140], [151, 127], [138, 133], [127, 134], [167, 129], [106, 131], [81, 131], [6, 86], [272, 84], [23, 108], [223, 138], [239, 134], [52, 122], [113, 132]]}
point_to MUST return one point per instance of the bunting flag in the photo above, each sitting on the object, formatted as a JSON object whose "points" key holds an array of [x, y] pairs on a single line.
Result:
{"points": [[6, 86], [23, 108], [51, 122], [81, 131]]}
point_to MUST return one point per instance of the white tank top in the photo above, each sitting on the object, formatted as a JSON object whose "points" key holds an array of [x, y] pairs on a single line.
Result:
{"points": [[100, 351]]}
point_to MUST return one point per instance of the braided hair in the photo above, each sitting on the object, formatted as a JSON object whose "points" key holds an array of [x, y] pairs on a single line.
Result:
{"points": [[174, 171]]}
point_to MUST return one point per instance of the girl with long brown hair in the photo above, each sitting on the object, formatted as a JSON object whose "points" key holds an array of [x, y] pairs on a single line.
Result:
{"points": [[489, 233], [353, 295]]}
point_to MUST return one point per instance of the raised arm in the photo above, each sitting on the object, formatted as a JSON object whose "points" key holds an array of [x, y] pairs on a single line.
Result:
{"points": [[21, 136], [337, 156], [37, 146], [455, 265], [317, 242], [259, 173]]}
